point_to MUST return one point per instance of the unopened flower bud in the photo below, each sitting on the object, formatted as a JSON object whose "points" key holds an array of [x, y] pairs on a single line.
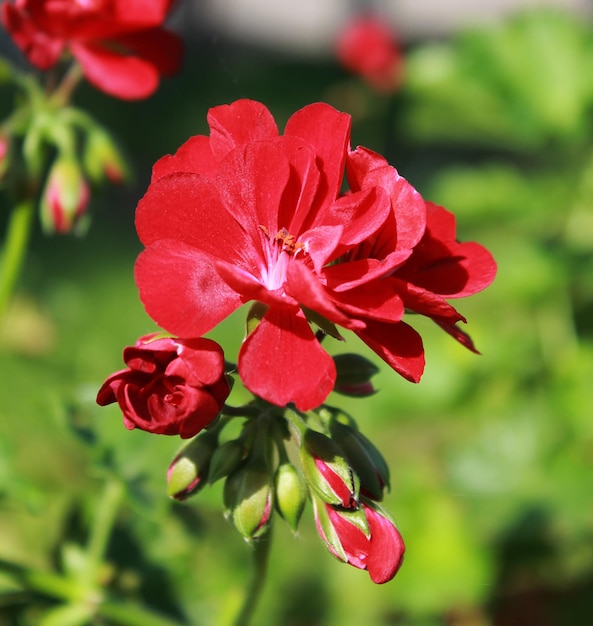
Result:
{"points": [[325, 521], [4, 153], [291, 494], [65, 197], [365, 459], [102, 159], [366, 538], [327, 471], [226, 459], [249, 498], [189, 469], [354, 373]]}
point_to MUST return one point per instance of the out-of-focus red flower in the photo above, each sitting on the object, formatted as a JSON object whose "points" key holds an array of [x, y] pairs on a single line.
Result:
{"points": [[171, 386], [367, 46], [250, 215], [120, 44], [378, 548]]}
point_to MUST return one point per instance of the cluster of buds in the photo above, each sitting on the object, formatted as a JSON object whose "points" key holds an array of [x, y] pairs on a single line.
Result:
{"points": [[55, 152], [339, 470]]}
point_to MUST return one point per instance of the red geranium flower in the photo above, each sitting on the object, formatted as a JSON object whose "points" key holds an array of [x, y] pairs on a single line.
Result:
{"points": [[247, 214], [119, 43], [171, 386], [367, 46]]}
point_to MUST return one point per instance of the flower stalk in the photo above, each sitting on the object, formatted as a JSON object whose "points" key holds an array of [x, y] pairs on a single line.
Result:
{"points": [[261, 555], [15, 249]]}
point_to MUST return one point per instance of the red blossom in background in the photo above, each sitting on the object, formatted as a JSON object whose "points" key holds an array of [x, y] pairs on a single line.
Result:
{"points": [[120, 44], [250, 215], [367, 46], [171, 386]]}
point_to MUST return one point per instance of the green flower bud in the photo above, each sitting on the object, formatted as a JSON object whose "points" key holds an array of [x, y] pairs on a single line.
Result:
{"points": [[327, 471], [189, 469], [250, 499], [226, 459], [354, 373], [102, 159], [291, 494]]}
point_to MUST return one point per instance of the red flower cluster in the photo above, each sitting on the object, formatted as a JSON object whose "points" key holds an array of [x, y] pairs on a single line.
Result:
{"points": [[366, 46], [171, 386], [247, 214], [120, 44]]}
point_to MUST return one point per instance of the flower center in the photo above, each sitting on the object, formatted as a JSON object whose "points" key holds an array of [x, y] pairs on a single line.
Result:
{"points": [[278, 250]]}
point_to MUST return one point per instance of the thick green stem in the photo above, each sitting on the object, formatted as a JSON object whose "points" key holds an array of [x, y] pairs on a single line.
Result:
{"points": [[261, 553], [17, 239]]}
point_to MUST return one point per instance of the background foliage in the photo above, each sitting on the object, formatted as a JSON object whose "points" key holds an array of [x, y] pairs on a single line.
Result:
{"points": [[491, 456]]}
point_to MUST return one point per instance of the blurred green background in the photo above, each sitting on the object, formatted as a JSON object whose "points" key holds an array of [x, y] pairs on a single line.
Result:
{"points": [[491, 455]]}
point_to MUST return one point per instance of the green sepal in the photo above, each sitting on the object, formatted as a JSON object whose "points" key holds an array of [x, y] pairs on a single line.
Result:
{"points": [[255, 316], [354, 373], [327, 530], [226, 459], [251, 500], [189, 469], [365, 458], [317, 445], [329, 328]]}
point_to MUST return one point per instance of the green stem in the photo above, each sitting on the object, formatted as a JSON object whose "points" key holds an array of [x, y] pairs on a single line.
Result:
{"points": [[133, 615], [261, 553], [17, 239], [46, 583], [103, 522]]}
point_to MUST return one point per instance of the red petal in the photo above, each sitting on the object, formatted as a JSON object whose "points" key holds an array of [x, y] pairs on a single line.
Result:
{"points": [[377, 300], [243, 121], [367, 168], [193, 156], [41, 48], [354, 542], [251, 182], [458, 334], [281, 361], [399, 345], [386, 551], [188, 208], [125, 77], [200, 362], [426, 302], [361, 214], [443, 265], [181, 290], [148, 12], [303, 194], [328, 131], [306, 288]]}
